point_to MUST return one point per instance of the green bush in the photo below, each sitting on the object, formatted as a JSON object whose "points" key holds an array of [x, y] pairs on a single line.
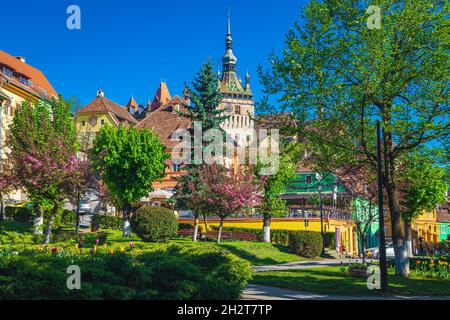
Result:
{"points": [[107, 222], [85, 239], [305, 243], [330, 240], [155, 224], [22, 214], [171, 273]]}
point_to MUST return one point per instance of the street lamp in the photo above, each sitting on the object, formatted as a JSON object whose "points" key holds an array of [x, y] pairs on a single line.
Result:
{"points": [[319, 186]]}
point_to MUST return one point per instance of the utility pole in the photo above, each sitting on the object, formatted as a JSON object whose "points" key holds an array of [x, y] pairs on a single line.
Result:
{"points": [[382, 249]]}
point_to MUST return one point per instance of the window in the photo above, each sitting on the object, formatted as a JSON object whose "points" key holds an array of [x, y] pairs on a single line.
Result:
{"points": [[102, 122], [8, 72], [175, 167], [238, 109], [83, 123], [308, 179]]}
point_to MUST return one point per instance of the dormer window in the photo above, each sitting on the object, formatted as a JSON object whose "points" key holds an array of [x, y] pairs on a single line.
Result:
{"points": [[8, 72]]}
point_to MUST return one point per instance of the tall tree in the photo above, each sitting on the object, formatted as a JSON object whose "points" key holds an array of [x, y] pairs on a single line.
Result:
{"points": [[424, 187], [275, 185], [128, 161], [203, 109], [43, 147], [340, 72]]}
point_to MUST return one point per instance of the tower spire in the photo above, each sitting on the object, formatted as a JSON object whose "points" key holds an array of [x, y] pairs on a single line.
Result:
{"points": [[229, 60]]}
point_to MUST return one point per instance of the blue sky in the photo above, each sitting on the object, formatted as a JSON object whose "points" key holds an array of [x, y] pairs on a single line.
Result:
{"points": [[126, 47]]}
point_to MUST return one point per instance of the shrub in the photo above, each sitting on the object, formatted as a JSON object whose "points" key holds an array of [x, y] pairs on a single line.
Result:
{"points": [[173, 272], [155, 224], [305, 243], [22, 214], [107, 222], [330, 240], [85, 239]]}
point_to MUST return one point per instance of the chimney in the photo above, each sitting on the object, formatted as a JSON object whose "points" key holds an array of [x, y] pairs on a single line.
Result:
{"points": [[100, 93], [21, 58]]}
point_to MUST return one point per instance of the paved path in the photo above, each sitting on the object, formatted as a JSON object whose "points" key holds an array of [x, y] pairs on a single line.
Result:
{"points": [[306, 264], [258, 292]]}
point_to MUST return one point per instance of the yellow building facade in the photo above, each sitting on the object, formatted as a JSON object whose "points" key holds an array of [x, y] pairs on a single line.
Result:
{"points": [[19, 83], [346, 230]]}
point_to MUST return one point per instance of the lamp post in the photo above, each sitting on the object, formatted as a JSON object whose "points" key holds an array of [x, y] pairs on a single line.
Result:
{"points": [[319, 186]]}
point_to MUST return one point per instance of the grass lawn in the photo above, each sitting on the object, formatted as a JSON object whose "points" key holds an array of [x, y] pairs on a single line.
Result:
{"points": [[331, 280], [257, 253]]}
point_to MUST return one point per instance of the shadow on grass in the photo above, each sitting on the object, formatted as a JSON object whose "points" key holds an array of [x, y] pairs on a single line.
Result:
{"points": [[250, 257]]}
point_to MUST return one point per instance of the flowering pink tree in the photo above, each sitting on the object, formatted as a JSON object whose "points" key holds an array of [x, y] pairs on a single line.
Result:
{"points": [[43, 144], [229, 192]]}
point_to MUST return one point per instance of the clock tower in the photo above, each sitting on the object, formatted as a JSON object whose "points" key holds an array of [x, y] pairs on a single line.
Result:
{"points": [[237, 97]]}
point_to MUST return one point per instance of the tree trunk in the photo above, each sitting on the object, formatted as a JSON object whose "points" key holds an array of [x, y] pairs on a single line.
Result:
{"points": [[48, 228], [194, 236], [2, 207], [126, 221], [363, 248], [205, 221], [38, 221], [219, 235], [77, 222], [408, 236], [398, 233], [266, 229]]}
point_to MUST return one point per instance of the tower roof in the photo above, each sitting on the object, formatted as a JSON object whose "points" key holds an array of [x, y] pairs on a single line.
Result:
{"points": [[132, 104], [230, 83], [162, 96]]}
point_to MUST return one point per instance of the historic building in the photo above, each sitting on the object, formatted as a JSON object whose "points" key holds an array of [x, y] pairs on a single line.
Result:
{"points": [[100, 112], [237, 97], [19, 82]]}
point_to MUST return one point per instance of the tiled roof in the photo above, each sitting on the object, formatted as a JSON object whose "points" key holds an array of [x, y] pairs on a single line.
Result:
{"points": [[231, 84], [40, 84], [163, 122], [102, 104]]}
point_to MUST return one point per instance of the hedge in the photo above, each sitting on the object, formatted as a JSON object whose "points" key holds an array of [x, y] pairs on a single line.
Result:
{"points": [[330, 240], [279, 236], [22, 214], [305, 243], [171, 273], [189, 226], [26, 214], [106, 222]]}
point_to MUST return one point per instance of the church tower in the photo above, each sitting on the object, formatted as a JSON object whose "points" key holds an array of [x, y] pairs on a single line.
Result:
{"points": [[237, 98]]}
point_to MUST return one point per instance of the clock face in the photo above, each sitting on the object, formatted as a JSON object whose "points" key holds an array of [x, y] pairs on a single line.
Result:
{"points": [[93, 121]]}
